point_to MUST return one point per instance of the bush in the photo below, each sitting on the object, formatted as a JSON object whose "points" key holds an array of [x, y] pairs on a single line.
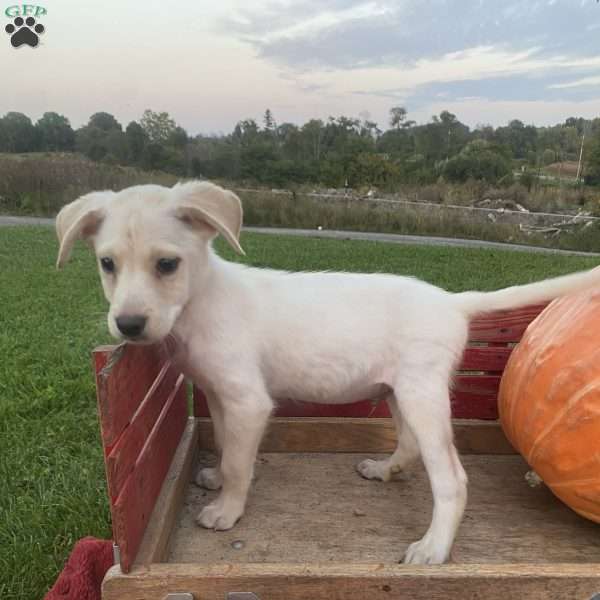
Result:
{"points": [[42, 183], [479, 161], [528, 179]]}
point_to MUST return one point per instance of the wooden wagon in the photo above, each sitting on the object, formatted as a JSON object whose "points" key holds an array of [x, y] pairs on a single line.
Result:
{"points": [[313, 529]]}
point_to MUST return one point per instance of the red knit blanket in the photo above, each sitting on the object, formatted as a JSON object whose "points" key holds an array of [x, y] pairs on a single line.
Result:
{"points": [[82, 576]]}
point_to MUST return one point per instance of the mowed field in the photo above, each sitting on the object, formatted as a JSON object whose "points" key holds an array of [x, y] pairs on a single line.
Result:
{"points": [[52, 489]]}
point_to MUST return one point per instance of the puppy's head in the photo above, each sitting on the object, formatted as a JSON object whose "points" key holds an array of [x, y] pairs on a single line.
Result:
{"points": [[151, 243]]}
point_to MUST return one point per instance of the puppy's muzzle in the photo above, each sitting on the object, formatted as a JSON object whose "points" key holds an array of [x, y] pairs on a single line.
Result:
{"points": [[131, 326]]}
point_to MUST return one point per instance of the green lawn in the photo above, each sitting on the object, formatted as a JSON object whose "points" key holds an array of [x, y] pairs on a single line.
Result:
{"points": [[52, 488]]}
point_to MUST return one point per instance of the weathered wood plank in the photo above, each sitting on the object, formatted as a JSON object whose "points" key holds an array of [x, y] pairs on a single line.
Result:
{"points": [[153, 547], [124, 453], [323, 526], [123, 376], [320, 581], [321, 434], [132, 509]]}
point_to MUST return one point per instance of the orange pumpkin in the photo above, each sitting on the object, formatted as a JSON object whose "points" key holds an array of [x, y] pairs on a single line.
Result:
{"points": [[549, 400]]}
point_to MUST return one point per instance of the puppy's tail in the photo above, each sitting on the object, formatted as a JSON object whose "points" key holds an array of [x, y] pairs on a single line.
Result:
{"points": [[472, 303]]}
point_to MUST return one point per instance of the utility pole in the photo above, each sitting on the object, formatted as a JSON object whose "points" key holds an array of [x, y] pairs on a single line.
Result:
{"points": [[580, 157]]}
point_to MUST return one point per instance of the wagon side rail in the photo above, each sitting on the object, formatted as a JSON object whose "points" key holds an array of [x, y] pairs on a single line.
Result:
{"points": [[142, 408]]}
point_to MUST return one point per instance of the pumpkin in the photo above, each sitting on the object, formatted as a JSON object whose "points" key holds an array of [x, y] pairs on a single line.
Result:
{"points": [[549, 400]]}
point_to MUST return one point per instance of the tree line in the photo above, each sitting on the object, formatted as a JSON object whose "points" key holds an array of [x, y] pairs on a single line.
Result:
{"points": [[340, 151]]}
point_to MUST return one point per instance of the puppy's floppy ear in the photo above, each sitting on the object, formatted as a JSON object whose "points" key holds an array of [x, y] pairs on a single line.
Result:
{"points": [[79, 220], [212, 205]]}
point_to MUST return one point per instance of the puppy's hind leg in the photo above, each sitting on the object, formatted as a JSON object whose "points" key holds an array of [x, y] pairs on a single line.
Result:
{"points": [[210, 477], [407, 450], [425, 406]]}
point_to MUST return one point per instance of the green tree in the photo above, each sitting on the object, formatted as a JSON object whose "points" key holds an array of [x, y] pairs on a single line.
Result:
{"points": [[398, 143], [480, 161], [548, 156], [136, 140], [92, 142], [312, 138], [102, 138], [592, 158], [577, 123], [154, 157], [373, 170], [398, 118], [291, 141], [517, 136], [18, 133], [246, 131], [104, 121], [532, 158], [178, 138], [158, 126], [269, 121], [116, 147], [528, 179], [440, 139], [55, 133], [370, 129]]}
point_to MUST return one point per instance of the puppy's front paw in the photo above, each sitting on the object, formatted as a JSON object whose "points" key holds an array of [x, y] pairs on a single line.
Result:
{"points": [[374, 469], [219, 517], [209, 478], [426, 552]]}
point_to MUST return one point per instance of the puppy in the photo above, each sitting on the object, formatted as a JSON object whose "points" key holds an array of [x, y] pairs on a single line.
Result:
{"points": [[250, 336]]}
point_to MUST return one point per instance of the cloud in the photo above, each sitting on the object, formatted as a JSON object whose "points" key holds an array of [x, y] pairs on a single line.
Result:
{"points": [[415, 50], [338, 34], [586, 81], [477, 71]]}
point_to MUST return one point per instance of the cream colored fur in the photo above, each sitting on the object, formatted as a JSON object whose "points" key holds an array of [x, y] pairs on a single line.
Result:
{"points": [[250, 336]]}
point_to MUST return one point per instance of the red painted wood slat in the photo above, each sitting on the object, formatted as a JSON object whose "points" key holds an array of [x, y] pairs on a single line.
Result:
{"points": [[364, 408], [503, 325], [485, 358], [123, 376], [200, 406], [471, 397], [133, 507], [475, 396], [123, 455]]}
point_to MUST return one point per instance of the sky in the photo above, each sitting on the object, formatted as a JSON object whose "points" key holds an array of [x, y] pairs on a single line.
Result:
{"points": [[211, 64]]}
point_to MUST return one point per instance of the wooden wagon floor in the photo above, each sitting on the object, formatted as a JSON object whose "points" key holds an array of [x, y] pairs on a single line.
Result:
{"points": [[315, 508]]}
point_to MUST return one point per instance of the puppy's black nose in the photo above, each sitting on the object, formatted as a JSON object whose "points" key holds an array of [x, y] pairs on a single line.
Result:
{"points": [[131, 325]]}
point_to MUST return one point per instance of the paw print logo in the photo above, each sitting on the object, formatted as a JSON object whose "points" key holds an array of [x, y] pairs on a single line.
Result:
{"points": [[24, 32]]}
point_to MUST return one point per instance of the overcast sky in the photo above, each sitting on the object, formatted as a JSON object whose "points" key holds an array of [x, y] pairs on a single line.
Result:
{"points": [[210, 64]]}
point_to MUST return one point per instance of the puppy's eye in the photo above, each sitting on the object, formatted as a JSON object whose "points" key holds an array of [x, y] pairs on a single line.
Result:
{"points": [[108, 264], [166, 266]]}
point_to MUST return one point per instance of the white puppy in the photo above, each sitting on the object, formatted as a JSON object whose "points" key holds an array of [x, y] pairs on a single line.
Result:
{"points": [[250, 336]]}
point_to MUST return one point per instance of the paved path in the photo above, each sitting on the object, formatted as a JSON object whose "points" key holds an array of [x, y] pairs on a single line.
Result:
{"points": [[25, 221], [357, 235], [413, 239]]}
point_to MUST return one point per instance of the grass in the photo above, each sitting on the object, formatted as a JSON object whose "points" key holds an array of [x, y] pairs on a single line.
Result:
{"points": [[53, 489]]}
